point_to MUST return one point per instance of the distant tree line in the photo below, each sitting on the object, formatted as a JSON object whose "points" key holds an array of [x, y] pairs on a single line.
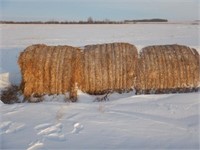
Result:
{"points": [[61, 22], [88, 21], [146, 20]]}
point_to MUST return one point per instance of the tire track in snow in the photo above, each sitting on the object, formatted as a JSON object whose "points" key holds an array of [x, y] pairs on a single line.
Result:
{"points": [[154, 118]]}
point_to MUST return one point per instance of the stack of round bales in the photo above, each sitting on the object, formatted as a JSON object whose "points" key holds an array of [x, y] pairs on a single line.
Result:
{"points": [[50, 70], [109, 67], [167, 68]]}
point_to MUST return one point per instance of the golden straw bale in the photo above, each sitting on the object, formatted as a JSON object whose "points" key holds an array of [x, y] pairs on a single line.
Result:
{"points": [[108, 67], [50, 70], [167, 68]]}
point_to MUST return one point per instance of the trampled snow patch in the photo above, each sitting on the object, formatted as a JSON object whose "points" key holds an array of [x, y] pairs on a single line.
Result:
{"points": [[77, 128], [36, 146], [10, 127]]}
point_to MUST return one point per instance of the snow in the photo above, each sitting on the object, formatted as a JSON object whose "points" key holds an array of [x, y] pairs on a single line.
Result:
{"points": [[21, 36], [125, 121], [4, 80]]}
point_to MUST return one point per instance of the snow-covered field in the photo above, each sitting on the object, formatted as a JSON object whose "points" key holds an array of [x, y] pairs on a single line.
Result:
{"points": [[126, 121]]}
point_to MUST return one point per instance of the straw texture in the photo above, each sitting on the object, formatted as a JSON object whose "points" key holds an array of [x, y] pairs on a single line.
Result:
{"points": [[50, 70], [109, 67], [167, 68]]}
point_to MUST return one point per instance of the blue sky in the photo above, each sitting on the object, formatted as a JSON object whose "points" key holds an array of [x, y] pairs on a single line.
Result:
{"points": [[61, 10]]}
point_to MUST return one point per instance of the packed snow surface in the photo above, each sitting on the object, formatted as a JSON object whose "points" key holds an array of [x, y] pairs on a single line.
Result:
{"points": [[125, 121]]}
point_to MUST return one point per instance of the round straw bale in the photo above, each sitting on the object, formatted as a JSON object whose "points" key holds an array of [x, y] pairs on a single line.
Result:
{"points": [[167, 68], [50, 70], [109, 67]]}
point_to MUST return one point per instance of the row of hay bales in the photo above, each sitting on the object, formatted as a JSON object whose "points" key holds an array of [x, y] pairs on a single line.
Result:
{"points": [[97, 69]]}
